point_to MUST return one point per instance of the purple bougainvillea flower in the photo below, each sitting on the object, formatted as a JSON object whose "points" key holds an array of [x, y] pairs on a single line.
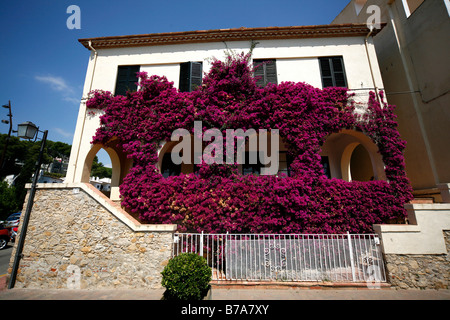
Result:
{"points": [[218, 198]]}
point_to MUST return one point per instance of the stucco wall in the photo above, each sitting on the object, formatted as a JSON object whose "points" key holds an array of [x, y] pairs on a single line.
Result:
{"points": [[296, 60], [417, 255], [73, 233]]}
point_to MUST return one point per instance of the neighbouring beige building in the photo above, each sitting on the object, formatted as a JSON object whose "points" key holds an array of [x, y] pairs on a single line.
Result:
{"points": [[413, 54]]}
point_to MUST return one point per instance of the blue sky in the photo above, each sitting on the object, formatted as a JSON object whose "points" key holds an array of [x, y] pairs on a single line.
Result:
{"points": [[43, 65]]}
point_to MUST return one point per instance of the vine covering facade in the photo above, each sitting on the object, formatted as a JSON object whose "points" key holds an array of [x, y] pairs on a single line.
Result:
{"points": [[218, 198]]}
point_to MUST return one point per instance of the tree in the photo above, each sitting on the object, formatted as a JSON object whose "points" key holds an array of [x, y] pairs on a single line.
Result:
{"points": [[20, 160], [8, 201], [99, 170]]}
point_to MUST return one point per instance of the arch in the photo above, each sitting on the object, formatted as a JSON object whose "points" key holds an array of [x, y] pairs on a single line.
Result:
{"points": [[119, 162], [361, 165], [353, 156], [166, 148], [345, 161]]}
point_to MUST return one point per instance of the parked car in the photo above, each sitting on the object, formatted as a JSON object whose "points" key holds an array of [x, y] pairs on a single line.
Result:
{"points": [[12, 220], [5, 235], [13, 234]]}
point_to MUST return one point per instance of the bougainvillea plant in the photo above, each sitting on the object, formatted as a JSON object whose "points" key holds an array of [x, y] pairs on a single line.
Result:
{"points": [[220, 199]]}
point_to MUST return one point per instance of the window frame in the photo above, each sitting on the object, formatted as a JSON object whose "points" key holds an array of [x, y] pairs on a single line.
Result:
{"points": [[131, 82], [288, 160], [186, 83], [323, 77], [261, 64]]}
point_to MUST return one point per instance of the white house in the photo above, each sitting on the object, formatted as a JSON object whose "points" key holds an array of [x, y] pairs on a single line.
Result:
{"points": [[326, 55], [102, 184]]}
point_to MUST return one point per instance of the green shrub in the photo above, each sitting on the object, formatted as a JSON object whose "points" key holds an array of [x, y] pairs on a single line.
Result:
{"points": [[186, 277]]}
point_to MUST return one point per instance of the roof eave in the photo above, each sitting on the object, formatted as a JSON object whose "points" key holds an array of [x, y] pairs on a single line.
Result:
{"points": [[239, 34]]}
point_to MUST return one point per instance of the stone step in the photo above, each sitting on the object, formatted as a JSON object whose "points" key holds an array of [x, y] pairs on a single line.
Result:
{"points": [[423, 200]]}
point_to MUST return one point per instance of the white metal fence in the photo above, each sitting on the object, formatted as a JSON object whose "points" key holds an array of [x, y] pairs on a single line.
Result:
{"points": [[287, 257]]}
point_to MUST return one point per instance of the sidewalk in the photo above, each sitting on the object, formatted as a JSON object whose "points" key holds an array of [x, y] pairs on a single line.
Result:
{"points": [[231, 294]]}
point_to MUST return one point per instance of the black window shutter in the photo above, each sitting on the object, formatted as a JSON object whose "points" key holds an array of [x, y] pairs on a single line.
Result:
{"points": [[271, 72], [332, 71], [327, 78], [265, 72], [339, 75], [190, 76], [196, 75], [185, 70], [259, 72], [126, 79]]}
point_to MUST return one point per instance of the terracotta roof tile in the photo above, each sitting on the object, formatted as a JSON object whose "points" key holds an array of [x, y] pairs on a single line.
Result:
{"points": [[293, 32]]}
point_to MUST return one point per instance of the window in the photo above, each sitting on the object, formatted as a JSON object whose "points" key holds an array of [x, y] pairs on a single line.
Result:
{"points": [[126, 79], [326, 166], [332, 72], [285, 161], [190, 76], [168, 168], [265, 72], [249, 168]]}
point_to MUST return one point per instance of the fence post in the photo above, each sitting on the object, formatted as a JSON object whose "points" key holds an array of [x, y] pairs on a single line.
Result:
{"points": [[200, 250], [351, 255]]}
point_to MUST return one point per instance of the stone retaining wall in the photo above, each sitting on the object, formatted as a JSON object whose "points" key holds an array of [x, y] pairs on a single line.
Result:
{"points": [[74, 241], [417, 254], [420, 271], [77, 238]]}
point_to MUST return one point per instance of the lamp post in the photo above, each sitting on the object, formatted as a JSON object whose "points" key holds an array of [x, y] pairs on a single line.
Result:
{"points": [[6, 106], [27, 130]]}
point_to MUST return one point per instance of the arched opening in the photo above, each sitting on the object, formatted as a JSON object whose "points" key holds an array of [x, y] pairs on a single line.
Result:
{"points": [[252, 159], [165, 164], [119, 163], [353, 156], [361, 165]]}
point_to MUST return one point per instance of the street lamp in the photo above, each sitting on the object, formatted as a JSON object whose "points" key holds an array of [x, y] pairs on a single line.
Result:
{"points": [[6, 106], [27, 130]]}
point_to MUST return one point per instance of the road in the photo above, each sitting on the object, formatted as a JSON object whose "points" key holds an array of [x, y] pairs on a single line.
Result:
{"points": [[5, 255]]}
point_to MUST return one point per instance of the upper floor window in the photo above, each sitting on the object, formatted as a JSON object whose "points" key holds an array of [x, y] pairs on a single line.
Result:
{"points": [[332, 72], [265, 72], [190, 76], [127, 79]]}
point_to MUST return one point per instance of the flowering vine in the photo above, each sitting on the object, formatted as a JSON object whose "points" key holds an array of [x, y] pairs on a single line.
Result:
{"points": [[218, 198]]}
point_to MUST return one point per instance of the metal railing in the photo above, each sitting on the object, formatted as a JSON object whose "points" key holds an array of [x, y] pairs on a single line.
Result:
{"points": [[287, 257]]}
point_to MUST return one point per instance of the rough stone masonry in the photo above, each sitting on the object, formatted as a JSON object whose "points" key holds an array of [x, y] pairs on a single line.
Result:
{"points": [[420, 271], [73, 241]]}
